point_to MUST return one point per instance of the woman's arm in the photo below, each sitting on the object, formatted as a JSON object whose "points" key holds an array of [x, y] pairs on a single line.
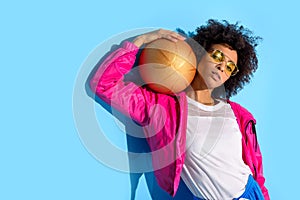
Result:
{"points": [[257, 162], [108, 83]]}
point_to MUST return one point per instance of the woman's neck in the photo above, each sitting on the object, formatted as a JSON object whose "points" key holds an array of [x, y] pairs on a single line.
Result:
{"points": [[202, 96], [199, 92]]}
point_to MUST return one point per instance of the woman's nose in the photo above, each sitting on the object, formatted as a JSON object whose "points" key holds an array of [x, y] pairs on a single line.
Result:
{"points": [[221, 67]]}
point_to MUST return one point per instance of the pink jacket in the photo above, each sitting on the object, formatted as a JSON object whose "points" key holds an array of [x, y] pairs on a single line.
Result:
{"points": [[164, 118]]}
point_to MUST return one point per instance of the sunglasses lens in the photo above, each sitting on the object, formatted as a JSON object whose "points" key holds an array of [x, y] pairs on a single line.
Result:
{"points": [[218, 56], [231, 68]]}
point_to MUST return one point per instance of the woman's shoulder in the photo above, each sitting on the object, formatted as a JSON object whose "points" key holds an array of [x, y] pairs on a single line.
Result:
{"points": [[240, 111]]}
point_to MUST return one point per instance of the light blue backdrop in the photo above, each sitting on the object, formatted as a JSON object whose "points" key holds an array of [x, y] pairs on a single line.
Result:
{"points": [[42, 47]]}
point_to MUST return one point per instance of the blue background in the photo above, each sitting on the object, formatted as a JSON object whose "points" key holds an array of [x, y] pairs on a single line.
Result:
{"points": [[42, 47]]}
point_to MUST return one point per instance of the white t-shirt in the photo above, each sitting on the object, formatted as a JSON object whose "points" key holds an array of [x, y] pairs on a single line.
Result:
{"points": [[214, 168]]}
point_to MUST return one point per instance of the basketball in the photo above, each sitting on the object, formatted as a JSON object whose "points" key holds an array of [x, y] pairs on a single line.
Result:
{"points": [[167, 67]]}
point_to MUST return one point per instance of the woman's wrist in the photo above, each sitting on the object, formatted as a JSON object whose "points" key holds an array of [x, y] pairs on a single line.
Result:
{"points": [[138, 41]]}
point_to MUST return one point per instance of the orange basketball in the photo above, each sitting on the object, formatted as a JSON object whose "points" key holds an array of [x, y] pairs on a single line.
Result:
{"points": [[166, 66]]}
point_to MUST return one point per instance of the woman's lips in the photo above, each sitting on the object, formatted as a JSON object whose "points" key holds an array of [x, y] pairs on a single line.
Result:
{"points": [[216, 76]]}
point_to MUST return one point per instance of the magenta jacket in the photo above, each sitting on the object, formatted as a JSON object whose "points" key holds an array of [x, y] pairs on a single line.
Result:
{"points": [[164, 118]]}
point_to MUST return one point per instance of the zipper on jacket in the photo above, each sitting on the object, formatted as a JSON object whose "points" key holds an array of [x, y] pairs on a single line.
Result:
{"points": [[255, 173], [253, 132]]}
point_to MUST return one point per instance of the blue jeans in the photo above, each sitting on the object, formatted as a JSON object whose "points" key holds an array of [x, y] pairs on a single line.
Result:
{"points": [[183, 192], [252, 191]]}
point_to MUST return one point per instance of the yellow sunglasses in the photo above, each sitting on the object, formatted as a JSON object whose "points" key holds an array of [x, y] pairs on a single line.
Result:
{"points": [[218, 56]]}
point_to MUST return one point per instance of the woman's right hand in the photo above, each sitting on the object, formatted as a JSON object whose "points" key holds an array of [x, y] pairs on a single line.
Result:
{"points": [[157, 34]]}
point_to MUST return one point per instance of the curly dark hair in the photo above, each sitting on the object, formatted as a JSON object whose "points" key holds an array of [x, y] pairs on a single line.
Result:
{"points": [[238, 38]]}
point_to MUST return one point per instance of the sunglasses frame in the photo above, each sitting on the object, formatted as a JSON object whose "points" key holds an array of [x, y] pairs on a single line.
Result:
{"points": [[236, 69]]}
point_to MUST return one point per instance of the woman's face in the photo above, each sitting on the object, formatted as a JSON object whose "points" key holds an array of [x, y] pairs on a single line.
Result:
{"points": [[215, 73]]}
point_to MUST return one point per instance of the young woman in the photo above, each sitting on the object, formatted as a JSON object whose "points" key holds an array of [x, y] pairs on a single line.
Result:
{"points": [[210, 149]]}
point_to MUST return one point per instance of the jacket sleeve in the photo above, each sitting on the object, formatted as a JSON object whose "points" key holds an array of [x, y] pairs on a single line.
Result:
{"points": [[257, 161], [107, 82]]}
